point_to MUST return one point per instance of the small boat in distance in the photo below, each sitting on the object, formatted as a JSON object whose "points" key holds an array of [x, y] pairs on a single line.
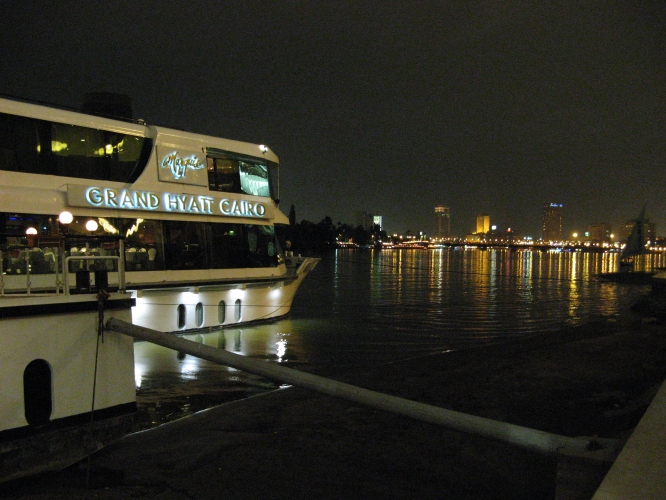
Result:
{"points": [[636, 243], [636, 246]]}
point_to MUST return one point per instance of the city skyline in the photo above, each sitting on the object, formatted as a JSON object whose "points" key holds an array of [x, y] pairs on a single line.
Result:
{"points": [[395, 106], [552, 215]]}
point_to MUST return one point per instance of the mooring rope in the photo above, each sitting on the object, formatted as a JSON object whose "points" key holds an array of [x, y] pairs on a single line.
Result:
{"points": [[102, 296]]}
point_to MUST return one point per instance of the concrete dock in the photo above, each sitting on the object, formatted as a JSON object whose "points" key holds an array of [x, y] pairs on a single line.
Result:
{"points": [[639, 472]]}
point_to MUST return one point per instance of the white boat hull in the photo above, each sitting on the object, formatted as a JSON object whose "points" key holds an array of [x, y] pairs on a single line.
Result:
{"points": [[207, 307], [60, 332]]}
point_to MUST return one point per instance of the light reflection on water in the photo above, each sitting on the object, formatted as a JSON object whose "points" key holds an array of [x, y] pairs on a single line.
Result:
{"points": [[360, 308]]}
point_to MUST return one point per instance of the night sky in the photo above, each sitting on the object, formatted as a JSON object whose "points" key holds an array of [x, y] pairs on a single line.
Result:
{"points": [[389, 107]]}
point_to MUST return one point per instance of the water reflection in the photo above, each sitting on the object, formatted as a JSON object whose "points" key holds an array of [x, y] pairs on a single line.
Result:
{"points": [[359, 308], [262, 341], [172, 384], [282, 347]]}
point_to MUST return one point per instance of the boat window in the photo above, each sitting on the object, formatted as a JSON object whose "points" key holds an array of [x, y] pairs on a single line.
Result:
{"points": [[237, 310], [180, 313], [38, 252], [228, 246], [254, 179], [144, 240], [185, 245], [144, 244], [221, 312], [199, 315], [261, 246], [42, 147], [237, 176], [242, 245], [37, 392], [23, 145], [223, 175]]}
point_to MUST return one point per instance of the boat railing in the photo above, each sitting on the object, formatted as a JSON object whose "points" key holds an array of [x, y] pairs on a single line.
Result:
{"points": [[63, 273], [57, 283], [82, 276], [297, 264]]}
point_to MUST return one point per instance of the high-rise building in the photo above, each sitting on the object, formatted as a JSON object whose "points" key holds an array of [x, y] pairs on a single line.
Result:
{"points": [[552, 221], [377, 221], [599, 233], [482, 223], [442, 222]]}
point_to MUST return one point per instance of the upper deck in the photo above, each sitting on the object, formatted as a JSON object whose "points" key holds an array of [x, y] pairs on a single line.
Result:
{"points": [[167, 206], [55, 159]]}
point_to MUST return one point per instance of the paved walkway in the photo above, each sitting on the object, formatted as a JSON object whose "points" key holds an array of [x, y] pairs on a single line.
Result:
{"points": [[639, 472]]}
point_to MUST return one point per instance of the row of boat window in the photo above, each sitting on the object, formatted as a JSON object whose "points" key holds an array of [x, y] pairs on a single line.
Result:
{"points": [[50, 148], [181, 314], [149, 244]]}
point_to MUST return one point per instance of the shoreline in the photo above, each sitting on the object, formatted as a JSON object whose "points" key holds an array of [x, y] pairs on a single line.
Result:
{"points": [[593, 379]]}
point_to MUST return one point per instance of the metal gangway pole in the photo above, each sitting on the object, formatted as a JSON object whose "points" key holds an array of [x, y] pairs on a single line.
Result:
{"points": [[523, 437]]}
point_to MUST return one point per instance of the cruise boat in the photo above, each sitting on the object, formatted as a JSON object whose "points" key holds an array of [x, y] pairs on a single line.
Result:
{"points": [[173, 230]]}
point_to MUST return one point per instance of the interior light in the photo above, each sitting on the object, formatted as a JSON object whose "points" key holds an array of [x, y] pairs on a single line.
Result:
{"points": [[134, 228], [65, 218], [57, 146], [92, 225], [31, 230], [107, 226], [109, 149]]}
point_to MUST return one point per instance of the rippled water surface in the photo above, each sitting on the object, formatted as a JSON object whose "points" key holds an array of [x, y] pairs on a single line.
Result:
{"points": [[360, 308]]}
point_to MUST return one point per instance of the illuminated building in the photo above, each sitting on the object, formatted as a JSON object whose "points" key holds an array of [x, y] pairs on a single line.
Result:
{"points": [[482, 223], [442, 222], [377, 221], [552, 221], [368, 221]]}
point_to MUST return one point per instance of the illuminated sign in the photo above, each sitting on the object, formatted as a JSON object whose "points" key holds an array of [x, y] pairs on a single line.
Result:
{"points": [[183, 165], [179, 165], [129, 199]]}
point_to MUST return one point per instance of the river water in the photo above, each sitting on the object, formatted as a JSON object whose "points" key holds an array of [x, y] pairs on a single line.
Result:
{"points": [[363, 308]]}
